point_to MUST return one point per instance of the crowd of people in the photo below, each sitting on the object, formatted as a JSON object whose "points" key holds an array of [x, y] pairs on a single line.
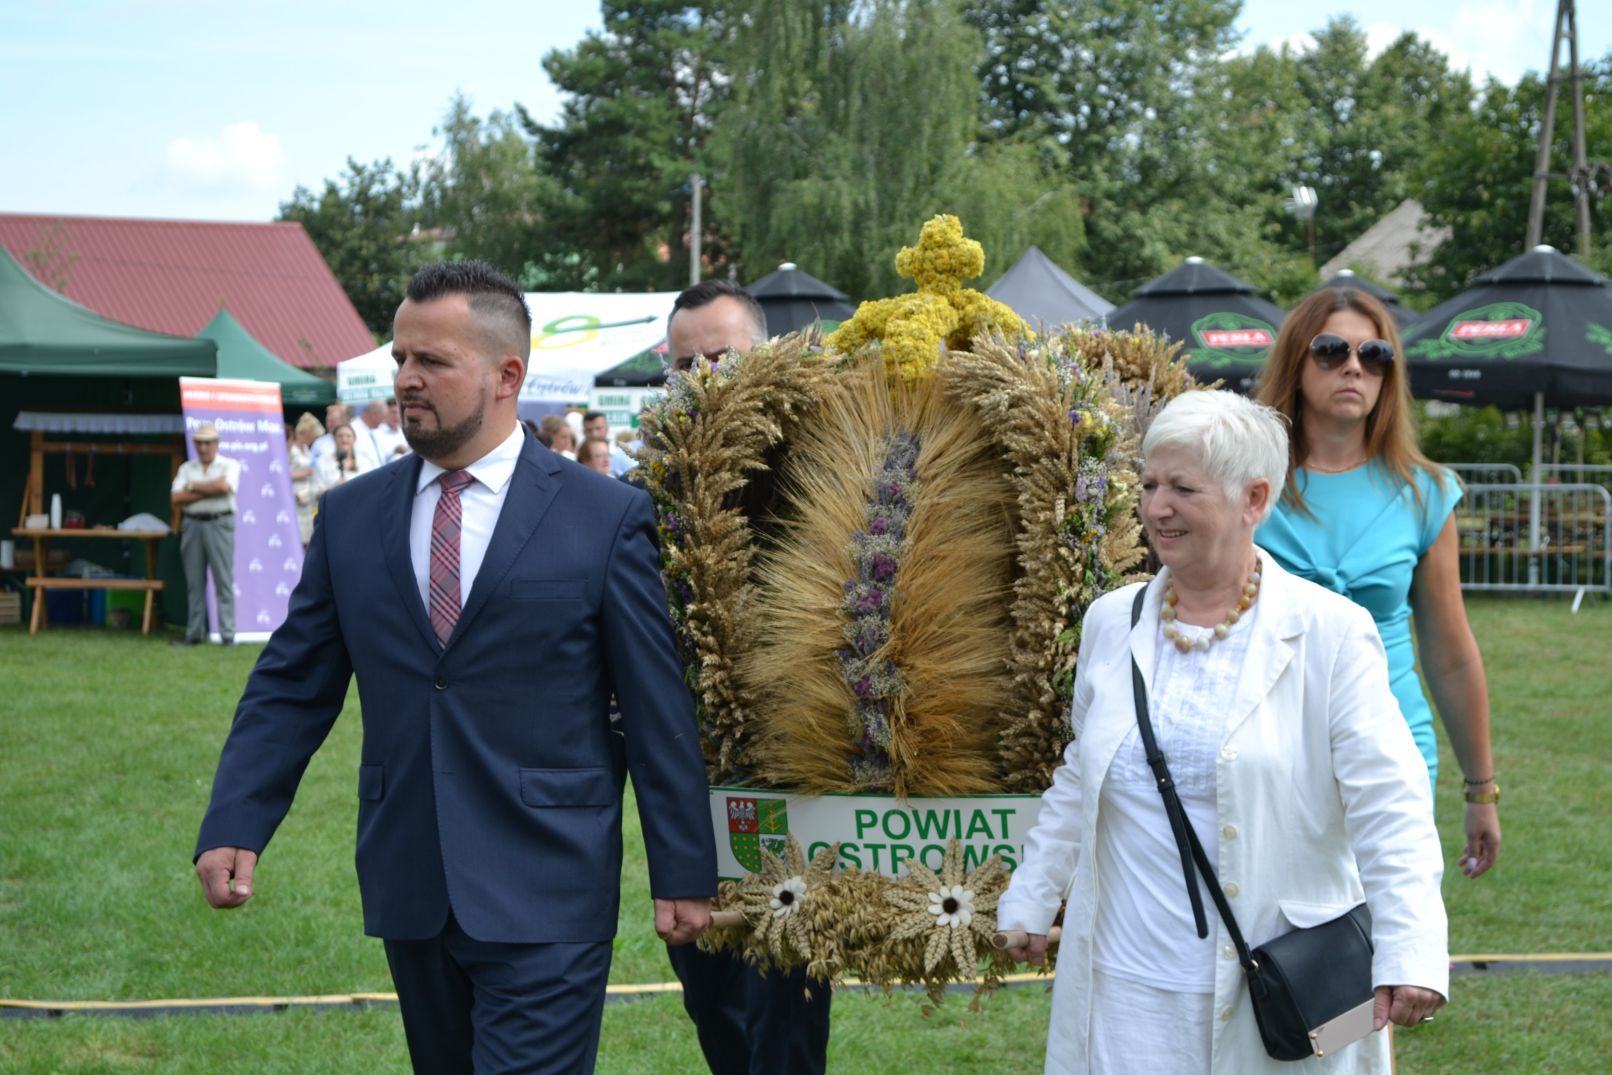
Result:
{"points": [[326, 454], [1300, 534]]}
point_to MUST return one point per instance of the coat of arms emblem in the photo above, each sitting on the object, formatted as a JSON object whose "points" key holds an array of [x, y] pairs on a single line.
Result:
{"points": [[755, 825]]}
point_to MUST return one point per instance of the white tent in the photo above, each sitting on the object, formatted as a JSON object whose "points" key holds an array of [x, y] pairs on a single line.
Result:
{"points": [[367, 377], [575, 336]]}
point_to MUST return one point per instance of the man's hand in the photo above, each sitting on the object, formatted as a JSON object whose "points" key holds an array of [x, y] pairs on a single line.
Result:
{"points": [[1034, 950], [680, 921], [218, 866], [1406, 1005]]}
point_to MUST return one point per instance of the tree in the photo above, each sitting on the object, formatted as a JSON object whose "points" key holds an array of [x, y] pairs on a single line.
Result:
{"points": [[1370, 123], [643, 95], [486, 193], [851, 124], [362, 224], [1127, 98], [1477, 175]]}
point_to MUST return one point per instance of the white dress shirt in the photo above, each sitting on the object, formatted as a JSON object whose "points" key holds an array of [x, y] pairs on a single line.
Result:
{"points": [[367, 446], [389, 440], [328, 472], [480, 503], [191, 470], [1145, 931]]}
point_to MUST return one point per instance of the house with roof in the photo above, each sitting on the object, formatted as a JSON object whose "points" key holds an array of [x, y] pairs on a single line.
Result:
{"points": [[1390, 246], [173, 276]]}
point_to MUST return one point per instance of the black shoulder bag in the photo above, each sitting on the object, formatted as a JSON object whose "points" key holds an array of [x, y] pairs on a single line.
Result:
{"points": [[1311, 988]]}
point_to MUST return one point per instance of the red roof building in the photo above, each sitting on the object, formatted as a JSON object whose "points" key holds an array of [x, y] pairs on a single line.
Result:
{"points": [[172, 276]]}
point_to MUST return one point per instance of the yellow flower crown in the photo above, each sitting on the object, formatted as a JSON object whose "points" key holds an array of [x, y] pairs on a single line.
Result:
{"points": [[912, 327]]}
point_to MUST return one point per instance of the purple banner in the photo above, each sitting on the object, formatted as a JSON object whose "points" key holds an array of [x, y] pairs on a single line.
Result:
{"points": [[268, 548]]}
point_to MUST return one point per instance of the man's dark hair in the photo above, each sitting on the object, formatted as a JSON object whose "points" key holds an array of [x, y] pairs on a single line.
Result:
{"points": [[496, 301], [708, 291], [591, 415]]}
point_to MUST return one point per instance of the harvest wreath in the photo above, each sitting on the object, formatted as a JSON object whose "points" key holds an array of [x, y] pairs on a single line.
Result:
{"points": [[878, 549]]}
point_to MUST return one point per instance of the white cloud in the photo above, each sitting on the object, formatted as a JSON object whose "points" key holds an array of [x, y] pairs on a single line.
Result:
{"points": [[240, 157]]}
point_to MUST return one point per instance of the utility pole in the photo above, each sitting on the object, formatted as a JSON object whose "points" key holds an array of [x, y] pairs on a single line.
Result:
{"points": [[696, 184], [1566, 30]]}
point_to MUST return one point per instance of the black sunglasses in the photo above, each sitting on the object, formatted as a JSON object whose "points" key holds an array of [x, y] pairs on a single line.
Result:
{"points": [[1331, 351]]}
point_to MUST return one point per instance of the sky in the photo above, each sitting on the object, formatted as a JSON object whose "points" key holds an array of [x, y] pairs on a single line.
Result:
{"points": [[186, 109]]}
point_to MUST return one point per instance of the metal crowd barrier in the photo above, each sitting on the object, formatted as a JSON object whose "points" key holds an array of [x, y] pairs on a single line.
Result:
{"points": [[1485, 473], [1576, 472], [1522, 537]]}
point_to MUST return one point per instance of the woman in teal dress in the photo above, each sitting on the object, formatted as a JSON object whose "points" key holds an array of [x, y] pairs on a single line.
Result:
{"points": [[1366, 514]]}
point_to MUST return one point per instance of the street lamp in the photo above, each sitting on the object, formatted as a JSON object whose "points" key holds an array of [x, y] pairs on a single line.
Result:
{"points": [[1302, 205]]}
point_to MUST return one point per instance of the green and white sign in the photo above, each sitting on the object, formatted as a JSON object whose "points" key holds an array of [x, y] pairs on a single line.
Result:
{"points": [[621, 405], [876, 833]]}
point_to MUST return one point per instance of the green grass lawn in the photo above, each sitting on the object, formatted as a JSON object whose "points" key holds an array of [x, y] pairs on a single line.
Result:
{"points": [[107, 745]]}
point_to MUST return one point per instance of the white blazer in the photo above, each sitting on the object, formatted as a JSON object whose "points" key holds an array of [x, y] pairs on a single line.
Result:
{"points": [[1320, 793]]}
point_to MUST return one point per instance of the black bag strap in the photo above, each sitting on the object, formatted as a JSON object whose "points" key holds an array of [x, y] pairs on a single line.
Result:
{"points": [[1186, 839]]}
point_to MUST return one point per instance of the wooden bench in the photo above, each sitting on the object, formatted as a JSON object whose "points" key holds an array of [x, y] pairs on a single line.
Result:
{"points": [[39, 617]]}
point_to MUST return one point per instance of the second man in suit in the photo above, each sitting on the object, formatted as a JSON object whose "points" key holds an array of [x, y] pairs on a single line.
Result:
{"points": [[747, 1023]]}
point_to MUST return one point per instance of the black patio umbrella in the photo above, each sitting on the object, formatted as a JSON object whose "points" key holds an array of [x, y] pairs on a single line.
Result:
{"points": [[794, 299], [1346, 278], [1537, 331], [1228, 329]]}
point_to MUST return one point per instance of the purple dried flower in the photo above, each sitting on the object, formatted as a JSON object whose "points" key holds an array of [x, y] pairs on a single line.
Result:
{"points": [[871, 601], [879, 524], [884, 566], [864, 688]]}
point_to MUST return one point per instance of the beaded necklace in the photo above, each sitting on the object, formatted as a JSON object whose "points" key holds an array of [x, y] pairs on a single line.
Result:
{"points": [[1244, 602]]}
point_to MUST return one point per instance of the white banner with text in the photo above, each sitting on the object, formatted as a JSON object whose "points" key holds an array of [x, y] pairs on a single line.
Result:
{"points": [[876, 833]]}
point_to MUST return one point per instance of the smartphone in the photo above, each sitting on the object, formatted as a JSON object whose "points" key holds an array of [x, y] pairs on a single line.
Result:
{"points": [[1346, 1029]]}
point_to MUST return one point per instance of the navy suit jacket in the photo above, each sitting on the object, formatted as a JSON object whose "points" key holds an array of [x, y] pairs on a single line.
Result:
{"points": [[491, 776]]}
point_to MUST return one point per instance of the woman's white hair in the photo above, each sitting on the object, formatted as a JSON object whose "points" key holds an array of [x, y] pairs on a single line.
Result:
{"points": [[1239, 441]]}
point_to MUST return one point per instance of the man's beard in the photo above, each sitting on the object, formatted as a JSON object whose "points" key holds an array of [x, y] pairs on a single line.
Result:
{"points": [[444, 441]]}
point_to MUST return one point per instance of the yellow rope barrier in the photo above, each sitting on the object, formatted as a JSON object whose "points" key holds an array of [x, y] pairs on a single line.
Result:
{"points": [[624, 990]]}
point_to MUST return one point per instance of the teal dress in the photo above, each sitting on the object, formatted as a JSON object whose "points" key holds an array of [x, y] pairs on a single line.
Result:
{"points": [[1364, 541]]}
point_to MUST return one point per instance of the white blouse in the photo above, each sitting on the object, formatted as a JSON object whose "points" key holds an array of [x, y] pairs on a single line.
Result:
{"points": [[1144, 929]]}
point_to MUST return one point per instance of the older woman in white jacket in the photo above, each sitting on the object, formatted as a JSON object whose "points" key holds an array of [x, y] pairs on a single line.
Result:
{"points": [[1269, 696]]}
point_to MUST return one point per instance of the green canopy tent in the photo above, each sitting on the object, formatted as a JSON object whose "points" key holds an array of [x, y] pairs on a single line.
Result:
{"points": [[241, 357], [59, 357], [42, 333]]}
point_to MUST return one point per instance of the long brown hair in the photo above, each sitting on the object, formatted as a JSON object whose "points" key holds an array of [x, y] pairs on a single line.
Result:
{"points": [[1391, 425]]}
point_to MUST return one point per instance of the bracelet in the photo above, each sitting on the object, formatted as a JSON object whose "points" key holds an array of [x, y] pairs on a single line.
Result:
{"points": [[1478, 783], [1483, 797]]}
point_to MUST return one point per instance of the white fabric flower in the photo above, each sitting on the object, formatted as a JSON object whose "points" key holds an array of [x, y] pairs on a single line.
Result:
{"points": [[952, 906], [786, 898]]}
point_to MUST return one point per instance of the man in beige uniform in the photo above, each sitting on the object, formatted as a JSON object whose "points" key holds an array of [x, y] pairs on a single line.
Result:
{"points": [[204, 491]]}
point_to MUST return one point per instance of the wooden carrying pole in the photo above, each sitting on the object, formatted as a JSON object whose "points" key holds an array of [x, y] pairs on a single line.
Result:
{"points": [[1014, 938]]}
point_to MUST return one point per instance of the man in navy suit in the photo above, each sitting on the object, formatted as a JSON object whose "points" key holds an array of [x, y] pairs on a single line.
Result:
{"points": [[491, 597]]}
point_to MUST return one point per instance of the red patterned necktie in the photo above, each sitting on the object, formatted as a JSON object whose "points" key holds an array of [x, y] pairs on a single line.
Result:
{"points": [[445, 554]]}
